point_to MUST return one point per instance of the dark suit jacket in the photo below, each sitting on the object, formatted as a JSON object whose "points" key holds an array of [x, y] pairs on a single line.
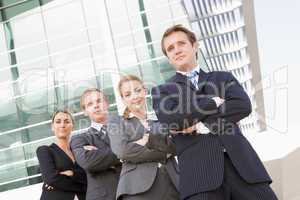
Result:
{"points": [[102, 166], [53, 160], [140, 164], [201, 159]]}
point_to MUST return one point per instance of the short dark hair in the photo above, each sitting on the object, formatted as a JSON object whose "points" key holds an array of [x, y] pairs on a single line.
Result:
{"points": [[66, 111], [177, 28]]}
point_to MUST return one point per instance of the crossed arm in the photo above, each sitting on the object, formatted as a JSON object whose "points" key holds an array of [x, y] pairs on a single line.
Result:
{"points": [[235, 107], [127, 149], [90, 158], [63, 180]]}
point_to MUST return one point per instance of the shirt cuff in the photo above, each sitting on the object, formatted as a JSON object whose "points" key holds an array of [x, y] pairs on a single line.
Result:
{"points": [[201, 128]]}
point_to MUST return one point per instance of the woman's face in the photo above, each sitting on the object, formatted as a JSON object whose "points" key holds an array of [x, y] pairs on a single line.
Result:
{"points": [[62, 125], [134, 95]]}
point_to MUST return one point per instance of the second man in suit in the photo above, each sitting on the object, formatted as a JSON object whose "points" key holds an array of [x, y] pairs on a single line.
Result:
{"points": [[92, 149]]}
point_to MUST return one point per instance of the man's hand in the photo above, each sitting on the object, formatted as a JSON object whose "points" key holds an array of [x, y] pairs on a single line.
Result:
{"points": [[198, 128], [143, 141], [186, 131], [89, 147], [67, 173], [219, 101], [189, 130]]}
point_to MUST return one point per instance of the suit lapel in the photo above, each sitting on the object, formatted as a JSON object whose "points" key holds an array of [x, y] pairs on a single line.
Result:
{"points": [[136, 128], [182, 79], [58, 150], [106, 139], [98, 134], [202, 80]]}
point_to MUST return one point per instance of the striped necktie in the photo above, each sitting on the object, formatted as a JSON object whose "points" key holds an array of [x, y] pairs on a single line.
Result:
{"points": [[193, 77], [104, 136], [104, 129]]}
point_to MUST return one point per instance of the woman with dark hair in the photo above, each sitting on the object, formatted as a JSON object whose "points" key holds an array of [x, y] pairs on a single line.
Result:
{"points": [[63, 178], [146, 173]]}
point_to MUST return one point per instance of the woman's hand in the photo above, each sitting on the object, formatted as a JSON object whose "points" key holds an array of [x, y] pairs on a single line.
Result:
{"points": [[89, 147], [67, 173], [48, 187], [143, 141]]}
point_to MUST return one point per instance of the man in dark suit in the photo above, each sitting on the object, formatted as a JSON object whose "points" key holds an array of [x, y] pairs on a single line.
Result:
{"points": [[220, 164], [92, 149]]}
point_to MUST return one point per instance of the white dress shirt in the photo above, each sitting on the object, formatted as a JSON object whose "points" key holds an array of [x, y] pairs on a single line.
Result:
{"points": [[97, 126]]}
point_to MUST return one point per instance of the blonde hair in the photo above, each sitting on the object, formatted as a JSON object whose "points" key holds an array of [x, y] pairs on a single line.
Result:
{"points": [[123, 80]]}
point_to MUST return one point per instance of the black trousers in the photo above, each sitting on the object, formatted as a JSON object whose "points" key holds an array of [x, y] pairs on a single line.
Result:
{"points": [[235, 188]]}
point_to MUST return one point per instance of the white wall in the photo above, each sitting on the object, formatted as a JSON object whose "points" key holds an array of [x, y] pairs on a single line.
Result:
{"points": [[32, 192]]}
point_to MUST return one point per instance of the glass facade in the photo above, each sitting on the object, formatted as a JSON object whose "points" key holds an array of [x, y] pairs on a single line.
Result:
{"points": [[52, 50], [223, 31]]}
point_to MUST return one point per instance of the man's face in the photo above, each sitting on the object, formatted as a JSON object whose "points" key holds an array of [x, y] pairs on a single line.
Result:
{"points": [[180, 51], [96, 106]]}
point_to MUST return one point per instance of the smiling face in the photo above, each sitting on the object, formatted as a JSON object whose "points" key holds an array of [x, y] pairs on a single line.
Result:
{"points": [[133, 94], [180, 51], [96, 106], [62, 125]]}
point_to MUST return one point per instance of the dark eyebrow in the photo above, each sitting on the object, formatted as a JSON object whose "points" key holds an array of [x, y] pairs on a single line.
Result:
{"points": [[170, 46]]}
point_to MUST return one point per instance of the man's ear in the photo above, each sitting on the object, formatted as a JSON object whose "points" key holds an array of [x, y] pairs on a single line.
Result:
{"points": [[196, 45]]}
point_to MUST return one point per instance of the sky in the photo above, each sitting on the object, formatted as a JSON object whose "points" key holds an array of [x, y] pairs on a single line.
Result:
{"points": [[278, 33]]}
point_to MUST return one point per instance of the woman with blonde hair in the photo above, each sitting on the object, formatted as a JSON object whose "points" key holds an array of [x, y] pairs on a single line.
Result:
{"points": [[146, 173]]}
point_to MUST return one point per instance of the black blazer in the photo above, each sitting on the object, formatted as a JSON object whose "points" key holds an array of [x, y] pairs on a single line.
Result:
{"points": [[179, 104], [53, 160]]}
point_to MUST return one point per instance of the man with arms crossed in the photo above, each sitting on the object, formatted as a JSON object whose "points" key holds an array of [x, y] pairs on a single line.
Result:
{"points": [[220, 165], [92, 149]]}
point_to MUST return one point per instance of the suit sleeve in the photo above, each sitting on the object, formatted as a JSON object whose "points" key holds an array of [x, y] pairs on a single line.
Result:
{"points": [[79, 175], [180, 108], [237, 106], [92, 161], [127, 150], [51, 175], [160, 139]]}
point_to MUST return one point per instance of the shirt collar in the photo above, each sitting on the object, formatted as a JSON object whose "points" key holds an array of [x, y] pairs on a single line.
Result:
{"points": [[197, 68], [96, 126], [150, 116]]}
